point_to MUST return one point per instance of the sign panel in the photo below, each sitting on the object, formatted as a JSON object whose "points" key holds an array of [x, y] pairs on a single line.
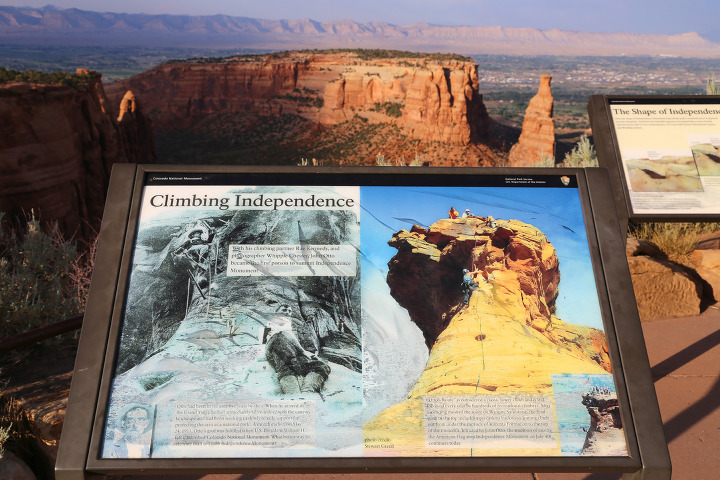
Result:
{"points": [[667, 150], [331, 321], [259, 322]]}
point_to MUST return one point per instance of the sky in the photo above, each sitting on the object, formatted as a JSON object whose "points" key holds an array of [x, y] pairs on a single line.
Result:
{"points": [[560, 218], [637, 16]]}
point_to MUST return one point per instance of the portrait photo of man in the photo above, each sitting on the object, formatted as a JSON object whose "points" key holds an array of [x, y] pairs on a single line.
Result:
{"points": [[133, 435]]}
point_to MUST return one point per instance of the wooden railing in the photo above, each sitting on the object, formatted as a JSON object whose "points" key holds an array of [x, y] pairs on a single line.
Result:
{"points": [[48, 331]]}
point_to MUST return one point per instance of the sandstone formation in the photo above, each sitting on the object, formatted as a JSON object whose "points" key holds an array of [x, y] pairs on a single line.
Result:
{"points": [[537, 140], [706, 259], [57, 149], [508, 340], [605, 436], [127, 105], [707, 266], [709, 241], [663, 289], [635, 247], [430, 98]]}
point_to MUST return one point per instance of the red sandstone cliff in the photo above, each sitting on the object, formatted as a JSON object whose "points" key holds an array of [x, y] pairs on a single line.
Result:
{"points": [[57, 149], [537, 140], [431, 99]]}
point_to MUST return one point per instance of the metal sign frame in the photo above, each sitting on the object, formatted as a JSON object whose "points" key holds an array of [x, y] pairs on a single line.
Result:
{"points": [[609, 148], [79, 455]]}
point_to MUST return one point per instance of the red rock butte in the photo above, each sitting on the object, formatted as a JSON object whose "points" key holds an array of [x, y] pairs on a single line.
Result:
{"points": [[431, 98]]}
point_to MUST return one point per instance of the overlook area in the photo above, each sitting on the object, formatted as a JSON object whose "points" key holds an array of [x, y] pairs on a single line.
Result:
{"points": [[81, 91]]}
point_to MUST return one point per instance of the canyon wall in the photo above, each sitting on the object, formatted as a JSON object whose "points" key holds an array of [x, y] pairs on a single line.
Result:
{"points": [[57, 149], [433, 98]]}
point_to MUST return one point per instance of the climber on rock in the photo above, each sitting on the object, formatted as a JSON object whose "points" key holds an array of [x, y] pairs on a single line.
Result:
{"points": [[298, 370], [453, 214], [468, 285]]}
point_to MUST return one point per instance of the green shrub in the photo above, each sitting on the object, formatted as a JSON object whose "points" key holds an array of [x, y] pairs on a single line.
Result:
{"points": [[419, 161], [391, 109], [582, 155], [4, 436], [304, 101], [546, 161], [676, 240], [42, 278], [381, 162]]}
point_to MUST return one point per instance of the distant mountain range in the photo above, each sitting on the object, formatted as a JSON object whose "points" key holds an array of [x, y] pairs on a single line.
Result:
{"points": [[51, 25]]}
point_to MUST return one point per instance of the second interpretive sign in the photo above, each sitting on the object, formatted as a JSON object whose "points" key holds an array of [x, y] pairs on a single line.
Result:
{"points": [[667, 150]]}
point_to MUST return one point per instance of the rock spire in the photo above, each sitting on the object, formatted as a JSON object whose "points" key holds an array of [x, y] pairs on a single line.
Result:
{"points": [[537, 140]]}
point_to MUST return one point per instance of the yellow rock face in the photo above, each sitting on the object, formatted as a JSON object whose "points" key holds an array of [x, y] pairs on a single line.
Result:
{"points": [[506, 341]]}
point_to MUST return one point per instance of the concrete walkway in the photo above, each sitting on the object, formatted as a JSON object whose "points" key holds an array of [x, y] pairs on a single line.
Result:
{"points": [[685, 359]]}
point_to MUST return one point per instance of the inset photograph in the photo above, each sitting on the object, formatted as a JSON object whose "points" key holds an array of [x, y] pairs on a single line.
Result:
{"points": [[662, 171], [706, 152]]}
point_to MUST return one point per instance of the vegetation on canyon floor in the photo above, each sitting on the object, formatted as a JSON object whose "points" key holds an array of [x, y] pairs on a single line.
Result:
{"points": [[286, 139], [359, 53], [52, 78]]}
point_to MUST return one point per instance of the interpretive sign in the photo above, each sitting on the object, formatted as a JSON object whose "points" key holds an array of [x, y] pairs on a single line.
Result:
{"points": [[309, 319], [663, 153]]}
